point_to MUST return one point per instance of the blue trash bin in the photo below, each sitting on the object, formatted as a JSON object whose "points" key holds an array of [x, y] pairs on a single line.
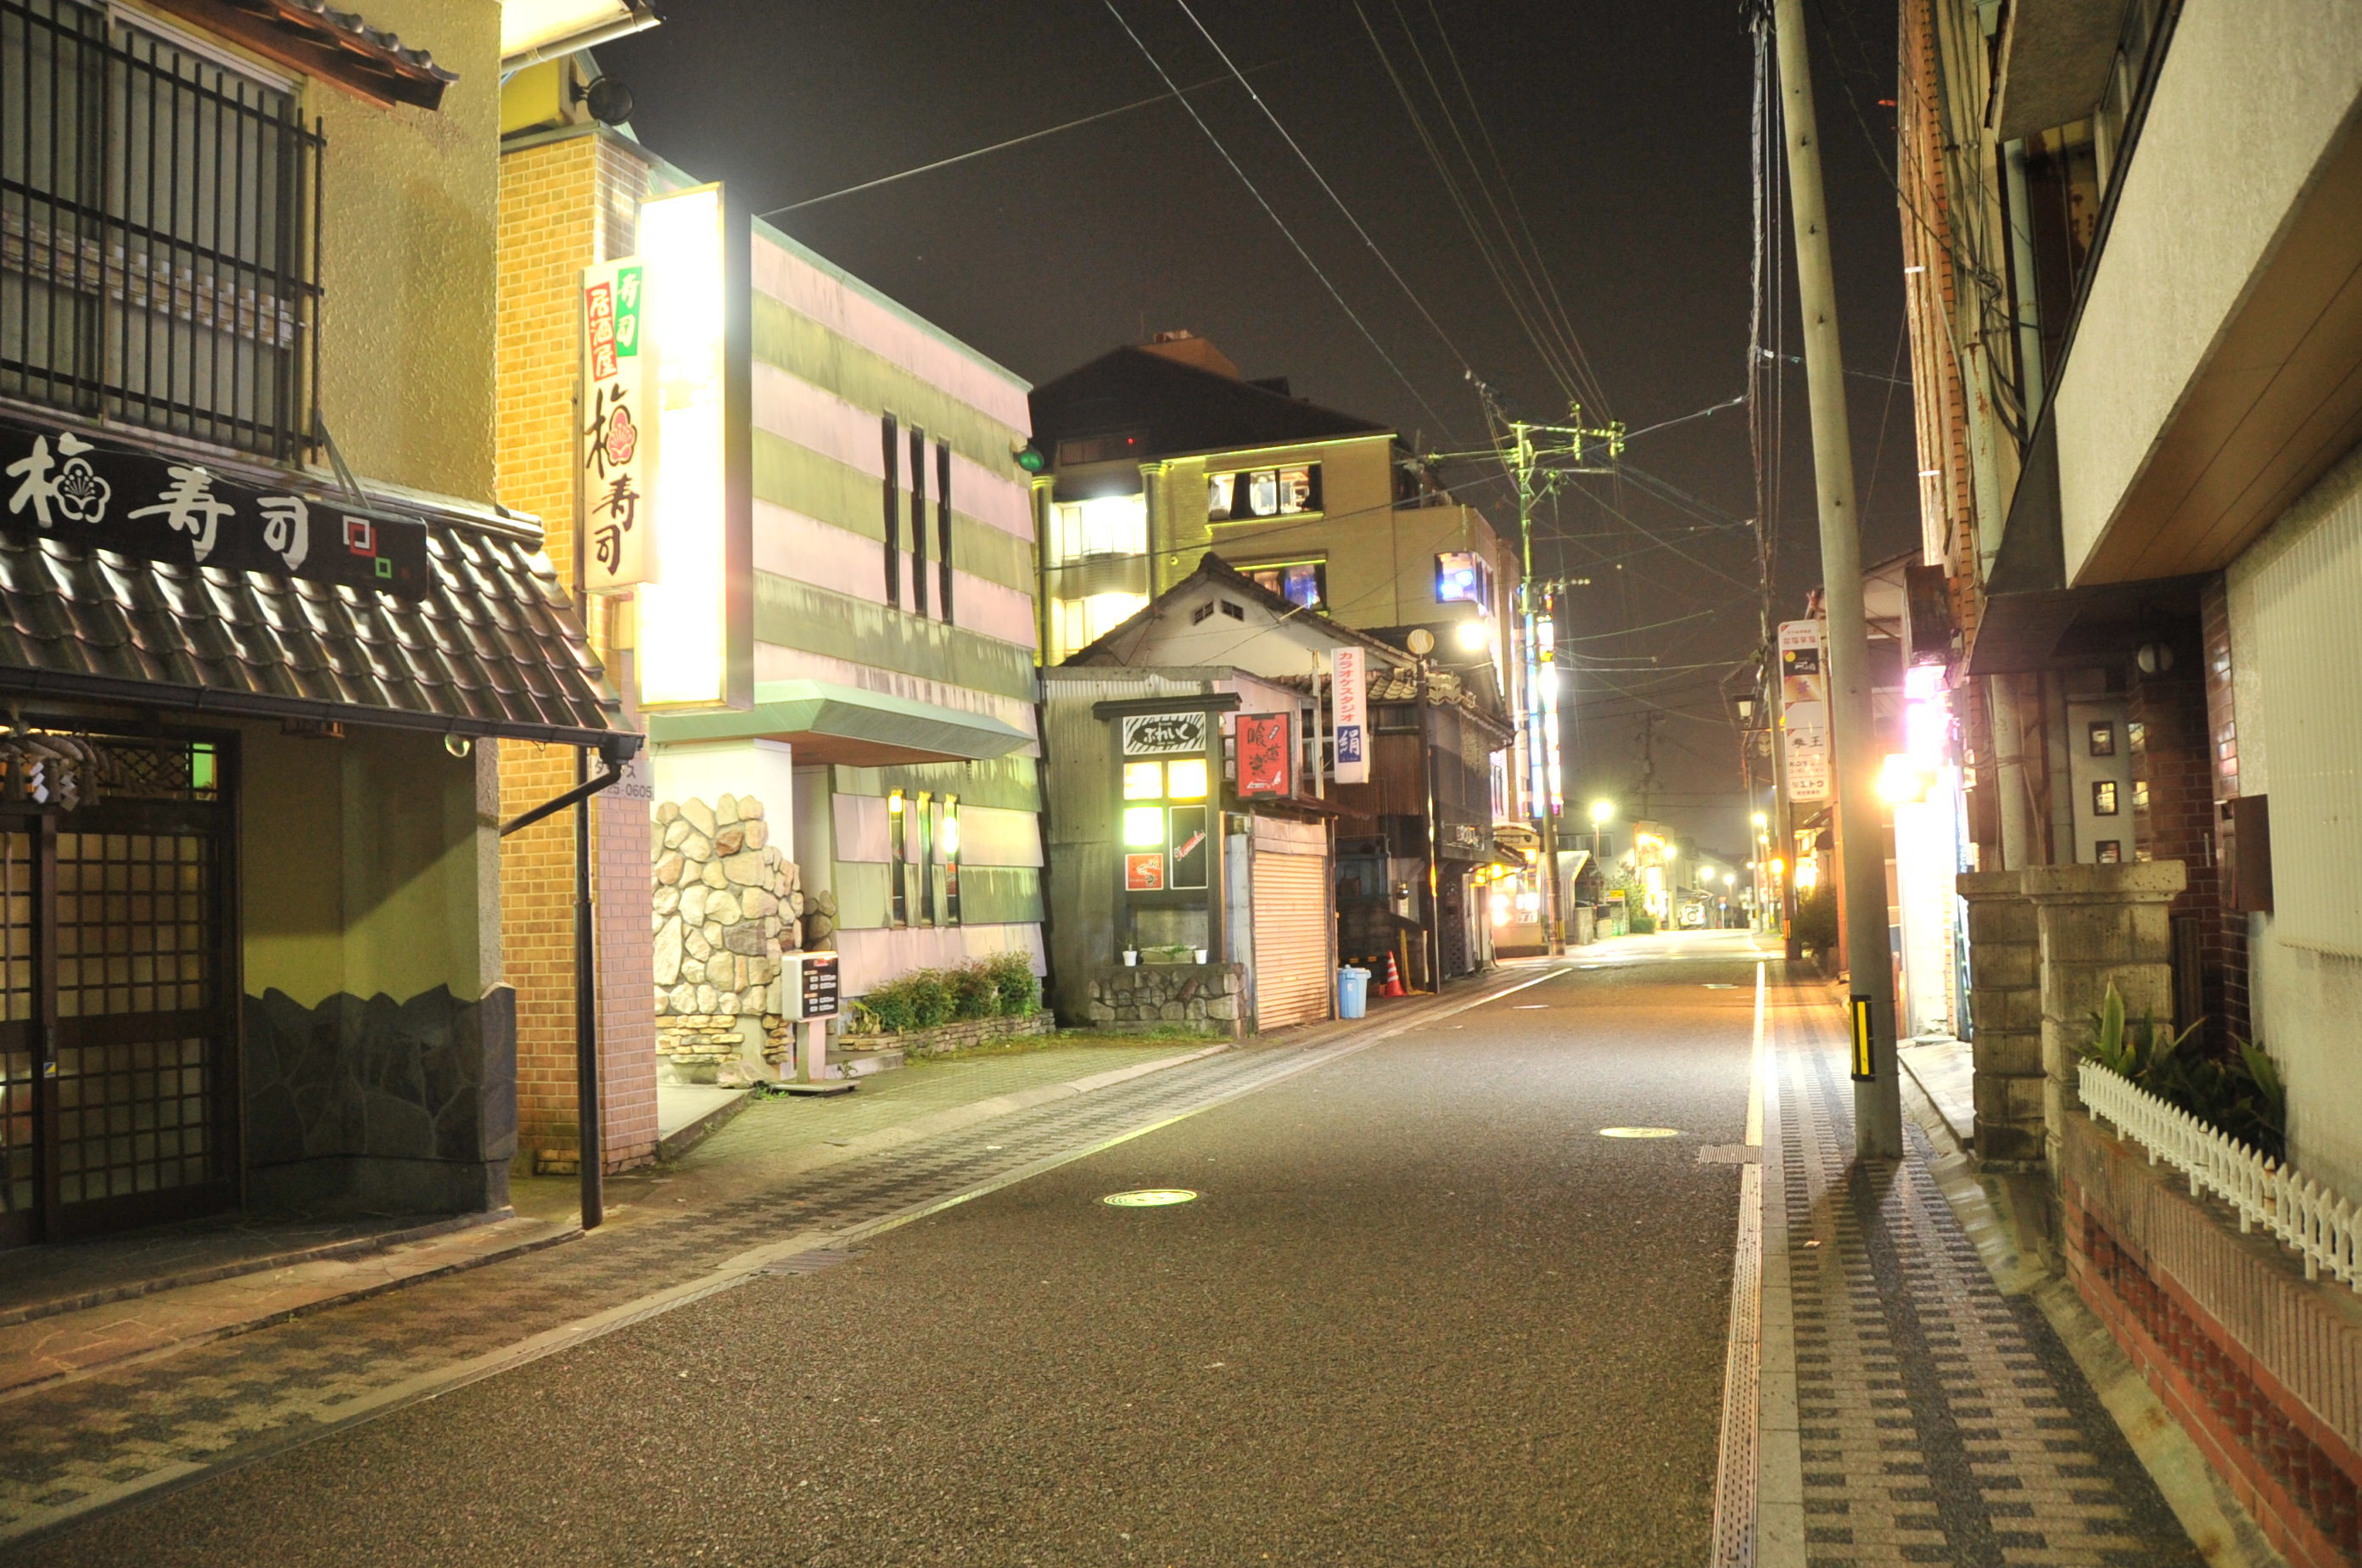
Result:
{"points": [[1352, 992]]}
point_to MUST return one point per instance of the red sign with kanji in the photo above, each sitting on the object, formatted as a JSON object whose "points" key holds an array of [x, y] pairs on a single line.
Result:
{"points": [[1145, 873], [1266, 754]]}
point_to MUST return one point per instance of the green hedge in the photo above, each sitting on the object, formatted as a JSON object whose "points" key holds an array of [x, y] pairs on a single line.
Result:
{"points": [[1001, 987]]}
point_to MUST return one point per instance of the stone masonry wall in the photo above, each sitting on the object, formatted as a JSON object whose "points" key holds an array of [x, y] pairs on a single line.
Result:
{"points": [[2006, 1005], [1150, 996], [725, 904]]}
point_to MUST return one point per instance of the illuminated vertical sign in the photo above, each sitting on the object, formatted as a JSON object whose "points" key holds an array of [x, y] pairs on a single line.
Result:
{"points": [[1552, 796], [694, 616], [1348, 697], [1804, 712], [618, 437]]}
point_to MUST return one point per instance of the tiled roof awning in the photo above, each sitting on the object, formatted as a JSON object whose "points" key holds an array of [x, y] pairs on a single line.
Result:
{"points": [[336, 46], [492, 648]]}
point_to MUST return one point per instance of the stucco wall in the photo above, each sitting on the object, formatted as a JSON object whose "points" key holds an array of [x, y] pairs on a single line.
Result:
{"points": [[2219, 166], [409, 253], [367, 866], [2305, 1002]]}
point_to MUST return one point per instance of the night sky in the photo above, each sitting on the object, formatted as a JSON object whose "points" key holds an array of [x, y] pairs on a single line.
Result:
{"points": [[1615, 135]]}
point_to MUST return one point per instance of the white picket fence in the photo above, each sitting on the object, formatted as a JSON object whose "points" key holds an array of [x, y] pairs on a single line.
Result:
{"points": [[2321, 1227]]}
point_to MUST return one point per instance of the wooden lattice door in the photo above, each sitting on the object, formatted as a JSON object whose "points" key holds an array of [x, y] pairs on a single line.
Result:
{"points": [[118, 996]]}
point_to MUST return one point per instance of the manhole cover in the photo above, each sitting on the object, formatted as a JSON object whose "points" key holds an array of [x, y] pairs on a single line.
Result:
{"points": [[1639, 1131], [1150, 1197]]}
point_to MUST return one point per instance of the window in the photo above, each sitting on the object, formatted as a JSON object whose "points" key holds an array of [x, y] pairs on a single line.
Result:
{"points": [[1234, 611], [2104, 798], [950, 841], [897, 859], [887, 431], [160, 215], [2103, 738], [1262, 493], [2111, 851], [1082, 622], [1462, 576], [943, 526], [918, 521], [926, 858], [1099, 449], [1107, 525], [1301, 583]]}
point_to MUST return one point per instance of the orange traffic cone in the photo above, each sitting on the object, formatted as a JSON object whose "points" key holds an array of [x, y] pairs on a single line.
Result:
{"points": [[1394, 986]]}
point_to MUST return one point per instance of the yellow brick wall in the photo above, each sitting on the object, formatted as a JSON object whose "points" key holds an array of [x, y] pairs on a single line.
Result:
{"points": [[565, 205]]}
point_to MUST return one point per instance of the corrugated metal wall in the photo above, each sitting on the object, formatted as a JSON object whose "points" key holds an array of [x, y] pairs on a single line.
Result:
{"points": [[2308, 622]]}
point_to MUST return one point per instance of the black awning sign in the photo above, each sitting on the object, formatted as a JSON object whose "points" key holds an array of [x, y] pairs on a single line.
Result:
{"points": [[56, 483]]}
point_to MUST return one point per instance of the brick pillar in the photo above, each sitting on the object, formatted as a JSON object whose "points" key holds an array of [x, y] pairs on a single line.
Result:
{"points": [[2005, 1008], [2099, 925]]}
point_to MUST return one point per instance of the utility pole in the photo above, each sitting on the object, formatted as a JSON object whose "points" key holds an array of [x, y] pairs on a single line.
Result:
{"points": [[1877, 1098], [1536, 457]]}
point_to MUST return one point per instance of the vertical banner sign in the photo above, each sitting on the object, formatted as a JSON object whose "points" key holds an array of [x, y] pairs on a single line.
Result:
{"points": [[618, 436], [1347, 686], [1266, 753], [1805, 711], [1188, 856]]}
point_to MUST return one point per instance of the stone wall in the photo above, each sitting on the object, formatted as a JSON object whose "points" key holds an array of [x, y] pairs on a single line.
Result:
{"points": [[726, 905], [1148, 996], [946, 1037], [2005, 1014], [379, 1106], [2101, 926]]}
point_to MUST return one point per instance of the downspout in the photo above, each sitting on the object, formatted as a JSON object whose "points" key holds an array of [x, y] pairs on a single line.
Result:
{"points": [[613, 756]]}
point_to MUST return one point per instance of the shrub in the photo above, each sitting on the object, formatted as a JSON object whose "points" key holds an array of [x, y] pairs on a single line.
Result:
{"points": [[1817, 921], [1019, 993], [2242, 1097], [1640, 922], [974, 992], [919, 1000]]}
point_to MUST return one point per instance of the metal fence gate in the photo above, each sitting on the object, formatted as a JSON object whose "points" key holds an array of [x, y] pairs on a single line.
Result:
{"points": [[118, 985]]}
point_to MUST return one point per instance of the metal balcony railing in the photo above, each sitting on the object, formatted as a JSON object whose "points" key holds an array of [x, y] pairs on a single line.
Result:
{"points": [[2322, 1228], [159, 233]]}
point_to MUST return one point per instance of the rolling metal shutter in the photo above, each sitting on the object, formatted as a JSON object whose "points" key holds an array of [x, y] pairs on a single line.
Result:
{"points": [[1291, 939]]}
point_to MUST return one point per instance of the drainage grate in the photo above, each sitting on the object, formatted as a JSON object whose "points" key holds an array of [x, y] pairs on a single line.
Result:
{"points": [[810, 1262]]}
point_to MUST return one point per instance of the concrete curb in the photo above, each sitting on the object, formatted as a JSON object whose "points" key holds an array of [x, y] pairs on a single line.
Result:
{"points": [[682, 1140]]}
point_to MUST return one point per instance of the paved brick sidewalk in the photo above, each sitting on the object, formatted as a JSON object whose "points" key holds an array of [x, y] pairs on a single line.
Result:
{"points": [[1938, 1420]]}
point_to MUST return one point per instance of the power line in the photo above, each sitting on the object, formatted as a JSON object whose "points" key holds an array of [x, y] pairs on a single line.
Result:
{"points": [[1306, 158], [1277, 221]]}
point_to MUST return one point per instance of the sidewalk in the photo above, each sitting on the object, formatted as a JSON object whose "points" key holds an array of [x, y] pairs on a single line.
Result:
{"points": [[1911, 1411]]}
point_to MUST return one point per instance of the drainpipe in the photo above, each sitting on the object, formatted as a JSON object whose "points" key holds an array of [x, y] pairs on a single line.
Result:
{"points": [[613, 756]]}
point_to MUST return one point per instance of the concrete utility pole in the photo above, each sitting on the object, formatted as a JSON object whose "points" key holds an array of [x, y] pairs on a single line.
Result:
{"points": [[1536, 467], [1877, 1098]]}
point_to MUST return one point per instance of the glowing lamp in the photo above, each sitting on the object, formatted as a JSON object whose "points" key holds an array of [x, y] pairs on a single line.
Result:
{"points": [[1470, 637], [1901, 781]]}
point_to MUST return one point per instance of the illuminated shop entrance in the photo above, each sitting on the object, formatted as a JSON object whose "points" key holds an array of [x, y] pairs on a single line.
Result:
{"points": [[118, 1102]]}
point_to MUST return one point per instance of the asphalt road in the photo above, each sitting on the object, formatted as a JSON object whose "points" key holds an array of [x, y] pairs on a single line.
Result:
{"points": [[1420, 1312]]}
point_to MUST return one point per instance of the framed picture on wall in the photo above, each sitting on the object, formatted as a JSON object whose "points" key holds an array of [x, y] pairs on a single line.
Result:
{"points": [[2102, 733]]}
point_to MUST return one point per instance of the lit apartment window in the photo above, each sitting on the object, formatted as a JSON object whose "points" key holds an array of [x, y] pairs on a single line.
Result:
{"points": [[1301, 583], [1462, 574], [1082, 622], [158, 210], [1109, 525], [1262, 493]]}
